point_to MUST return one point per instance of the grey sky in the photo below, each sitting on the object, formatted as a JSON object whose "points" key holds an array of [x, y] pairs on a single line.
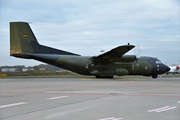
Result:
{"points": [[86, 27]]}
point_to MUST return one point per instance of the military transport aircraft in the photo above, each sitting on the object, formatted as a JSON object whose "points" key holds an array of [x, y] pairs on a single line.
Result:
{"points": [[23, 44]]}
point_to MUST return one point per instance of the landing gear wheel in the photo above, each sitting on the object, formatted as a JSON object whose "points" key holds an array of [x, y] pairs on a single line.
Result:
{"points": [[98, 76], [154, 76], [109, 76]]}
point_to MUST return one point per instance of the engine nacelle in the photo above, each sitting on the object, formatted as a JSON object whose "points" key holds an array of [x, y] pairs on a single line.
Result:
{"points": [[128, 58]]}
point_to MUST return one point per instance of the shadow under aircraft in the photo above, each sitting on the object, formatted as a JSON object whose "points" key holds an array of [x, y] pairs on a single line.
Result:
{"points": [[23, 44]]}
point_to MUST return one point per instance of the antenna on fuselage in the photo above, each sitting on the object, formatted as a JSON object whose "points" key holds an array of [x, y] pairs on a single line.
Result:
{"points": [[102, 51]]}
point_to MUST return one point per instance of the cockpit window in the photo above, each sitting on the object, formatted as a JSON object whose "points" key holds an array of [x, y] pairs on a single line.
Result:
{"points": [[158, 62]]}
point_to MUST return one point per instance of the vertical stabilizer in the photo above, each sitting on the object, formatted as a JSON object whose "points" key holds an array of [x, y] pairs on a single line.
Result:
{"points": [[21, 38], [23, 42]]}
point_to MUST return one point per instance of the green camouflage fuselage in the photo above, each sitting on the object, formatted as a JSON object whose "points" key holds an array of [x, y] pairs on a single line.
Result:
{"points": [[102, 67]]}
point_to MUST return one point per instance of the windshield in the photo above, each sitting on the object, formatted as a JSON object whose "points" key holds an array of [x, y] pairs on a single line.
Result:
{"points": [[158, 62]]}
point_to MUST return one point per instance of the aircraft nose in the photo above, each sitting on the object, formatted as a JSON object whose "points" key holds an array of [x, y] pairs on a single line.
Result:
{"points": [[167, 69]]}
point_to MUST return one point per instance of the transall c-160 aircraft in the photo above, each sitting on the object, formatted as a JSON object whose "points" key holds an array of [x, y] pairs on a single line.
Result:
{"points": [[23, 44]]}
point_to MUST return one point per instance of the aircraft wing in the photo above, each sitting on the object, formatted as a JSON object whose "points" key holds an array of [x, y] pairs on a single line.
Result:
{"points": [[116, 52]]}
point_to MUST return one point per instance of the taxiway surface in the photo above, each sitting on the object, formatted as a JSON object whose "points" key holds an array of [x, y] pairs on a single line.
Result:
{"points": [[126, 98]]}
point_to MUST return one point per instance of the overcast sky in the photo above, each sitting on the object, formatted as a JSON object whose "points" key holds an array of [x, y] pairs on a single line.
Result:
{"points": [[88, 26]]}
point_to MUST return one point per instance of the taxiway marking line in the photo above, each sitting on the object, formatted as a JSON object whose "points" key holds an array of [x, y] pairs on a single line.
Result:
{"points": [[162, 109], [170, 108], [15, 104], [53, 98], [111, 118]]}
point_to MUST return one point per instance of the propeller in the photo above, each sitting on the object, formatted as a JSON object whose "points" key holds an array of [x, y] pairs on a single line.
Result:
{"points": [[137, 51]]}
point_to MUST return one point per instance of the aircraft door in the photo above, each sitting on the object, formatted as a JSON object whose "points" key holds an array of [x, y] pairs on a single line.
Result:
{"points": [[132, 67], [90, 66]]}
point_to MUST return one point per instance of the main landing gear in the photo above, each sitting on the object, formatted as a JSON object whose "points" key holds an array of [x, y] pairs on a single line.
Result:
{"points": [[98, 76], [154, 76]]}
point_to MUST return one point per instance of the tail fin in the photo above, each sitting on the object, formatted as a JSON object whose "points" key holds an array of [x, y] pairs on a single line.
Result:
{"points": [[24, 42]]}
